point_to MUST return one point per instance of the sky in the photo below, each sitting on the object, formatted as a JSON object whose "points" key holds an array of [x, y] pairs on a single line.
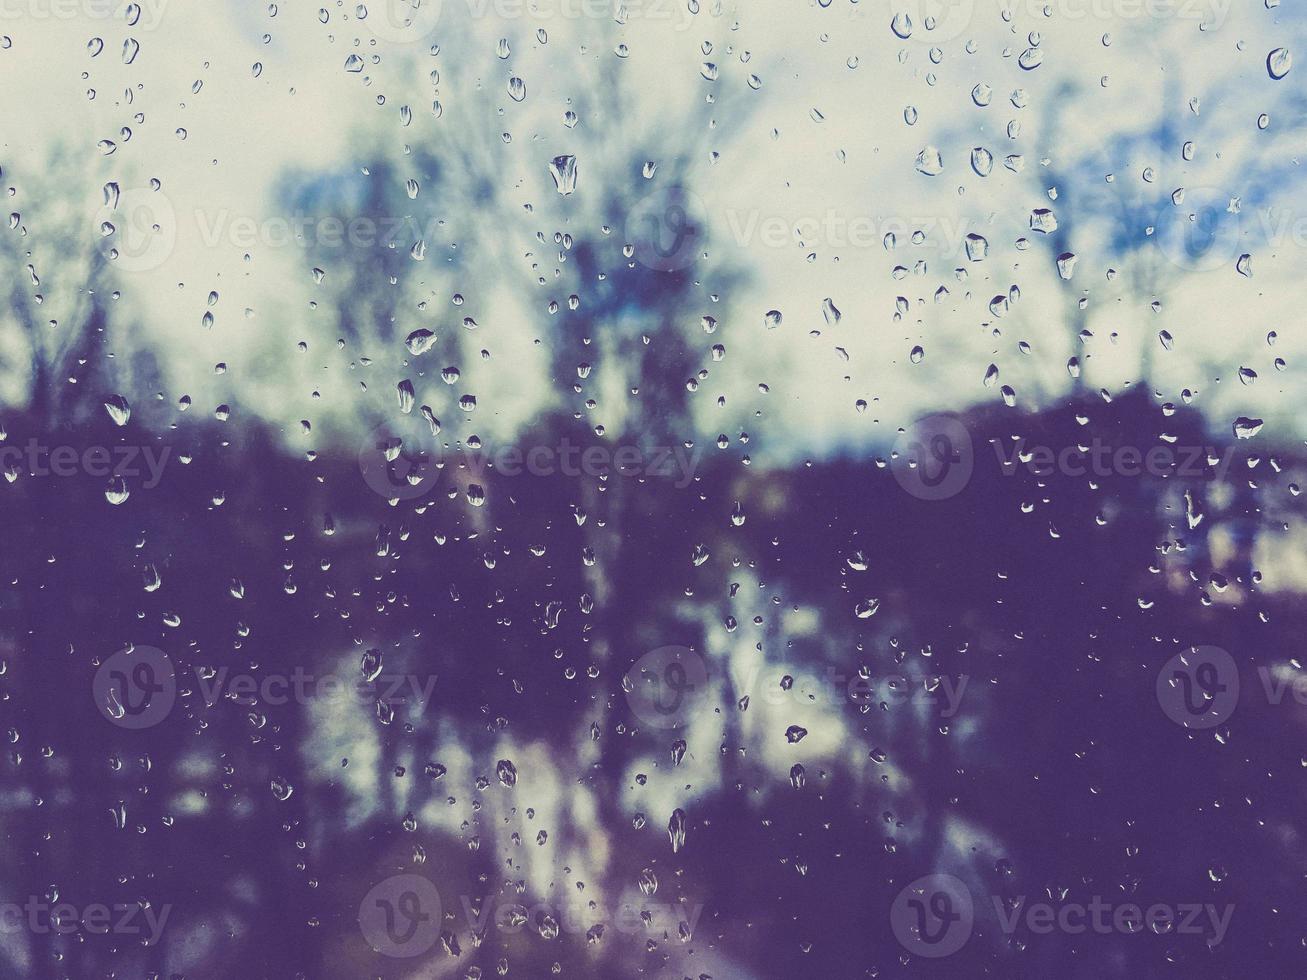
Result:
{"points": [[808, 162]]}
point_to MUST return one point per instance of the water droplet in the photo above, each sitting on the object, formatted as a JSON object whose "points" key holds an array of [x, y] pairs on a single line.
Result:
{"points": [[563, 170], [676, 830], [1278, 63], [118, 408], [867, 608], [648, 881], [116, 492], [507, 772], [420, 341], [1246, 428], [1043, 221], [929, 162]]}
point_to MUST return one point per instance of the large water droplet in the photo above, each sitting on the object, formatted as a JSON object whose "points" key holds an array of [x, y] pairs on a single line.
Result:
{"points": [[1278, 63], [563, 170]]}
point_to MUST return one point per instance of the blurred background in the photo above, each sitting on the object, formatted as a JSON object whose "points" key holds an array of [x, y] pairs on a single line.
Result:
{"points": [[559, 488]]}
